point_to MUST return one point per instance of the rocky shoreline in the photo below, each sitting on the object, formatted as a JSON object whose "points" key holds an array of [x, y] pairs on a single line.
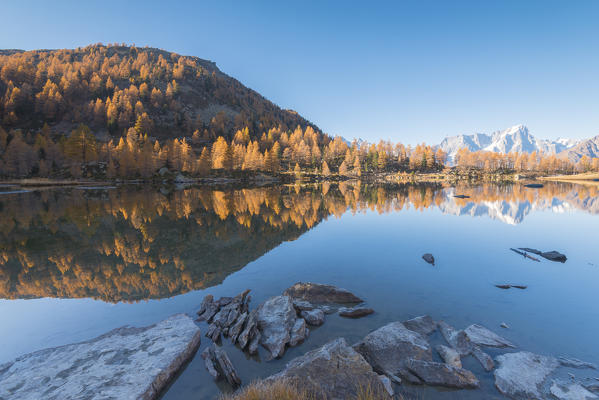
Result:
{"points": [[401, 353], [419, 352]]}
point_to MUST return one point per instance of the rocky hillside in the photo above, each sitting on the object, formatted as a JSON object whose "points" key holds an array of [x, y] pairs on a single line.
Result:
{"points": [[589, 148], [111, 88]]}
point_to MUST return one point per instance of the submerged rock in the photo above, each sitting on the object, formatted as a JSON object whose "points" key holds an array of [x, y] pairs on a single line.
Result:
{"points": [[355, 312], [521, 375], [335, 371], [389, 348], [460, 341], [321, 294], [313, 317], [571, 391], [428, 257], [483, 358], [424, 325], [227, 368], [456, 339], [481, 336], [449, 356], [387, 385], [276, 316], [126, 363], [440, 374], [575, 363], [208, 356]]}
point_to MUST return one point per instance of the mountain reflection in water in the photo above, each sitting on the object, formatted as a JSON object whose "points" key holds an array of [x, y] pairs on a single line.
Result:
{"points": [[133, 243]]}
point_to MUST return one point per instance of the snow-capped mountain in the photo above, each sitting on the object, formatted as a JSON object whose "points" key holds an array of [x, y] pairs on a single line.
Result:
{"points": [[514, 139]]}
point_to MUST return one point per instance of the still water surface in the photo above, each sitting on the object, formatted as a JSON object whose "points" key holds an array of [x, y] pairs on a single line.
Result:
{"points": [[75, 263]]}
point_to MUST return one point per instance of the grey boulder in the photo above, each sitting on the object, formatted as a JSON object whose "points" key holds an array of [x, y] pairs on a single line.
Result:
{"points": [[388, 349], [275, 318], [321, 294], [313, 317]]}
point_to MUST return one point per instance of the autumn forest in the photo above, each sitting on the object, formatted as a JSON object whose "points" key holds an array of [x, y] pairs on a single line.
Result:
{"points": [[122, 112]]}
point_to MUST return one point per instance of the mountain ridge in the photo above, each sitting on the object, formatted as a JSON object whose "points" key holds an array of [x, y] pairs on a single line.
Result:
{"points": [[516, 138], [108, 87]]}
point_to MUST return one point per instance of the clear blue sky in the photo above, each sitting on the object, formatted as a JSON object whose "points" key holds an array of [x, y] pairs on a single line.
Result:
{"points": [[411, 71]]}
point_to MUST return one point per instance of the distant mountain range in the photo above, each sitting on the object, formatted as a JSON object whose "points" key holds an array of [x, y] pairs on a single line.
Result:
{"points": [[514, 139]]}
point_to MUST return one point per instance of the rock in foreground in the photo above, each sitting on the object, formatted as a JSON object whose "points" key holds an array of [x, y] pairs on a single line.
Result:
{"points": [[389, 348], [334, 371], [321, 294], [521, 375], [126, 363]]}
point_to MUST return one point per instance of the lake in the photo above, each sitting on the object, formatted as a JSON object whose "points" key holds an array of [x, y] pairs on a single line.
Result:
{"points": [[78, 262]]}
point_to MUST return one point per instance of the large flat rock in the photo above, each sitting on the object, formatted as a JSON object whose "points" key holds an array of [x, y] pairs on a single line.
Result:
{"points": [[521, 375], [126, 363]]}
